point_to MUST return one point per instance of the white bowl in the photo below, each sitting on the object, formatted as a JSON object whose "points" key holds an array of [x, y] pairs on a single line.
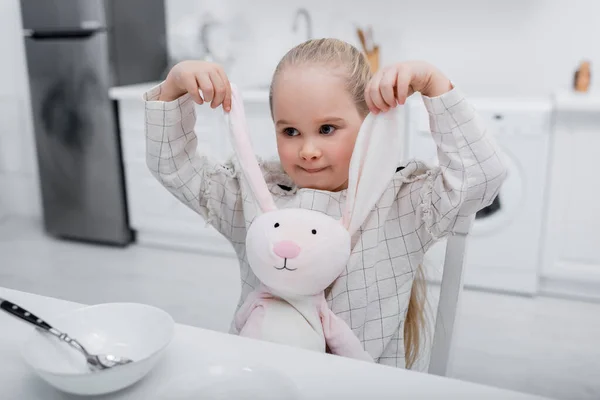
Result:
{"points": [[231, 381], [136, 331]]}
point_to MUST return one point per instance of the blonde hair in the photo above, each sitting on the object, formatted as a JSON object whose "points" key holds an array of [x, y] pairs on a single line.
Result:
{"points": [[337, 53], [415, 322], [331, 52]]}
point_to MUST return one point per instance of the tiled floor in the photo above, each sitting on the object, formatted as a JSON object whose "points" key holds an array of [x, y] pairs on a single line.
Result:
{"points": [[543, 346]]}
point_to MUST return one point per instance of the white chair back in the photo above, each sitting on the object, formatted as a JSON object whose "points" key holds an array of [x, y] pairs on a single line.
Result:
{"points": [[449, 302]]}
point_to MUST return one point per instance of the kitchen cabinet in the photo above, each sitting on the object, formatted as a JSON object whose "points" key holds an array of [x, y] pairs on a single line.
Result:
{"points": [[157, 216], [572, 248]]}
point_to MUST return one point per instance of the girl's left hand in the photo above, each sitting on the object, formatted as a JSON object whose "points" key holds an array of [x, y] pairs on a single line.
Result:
{"points": [[394, 84]]}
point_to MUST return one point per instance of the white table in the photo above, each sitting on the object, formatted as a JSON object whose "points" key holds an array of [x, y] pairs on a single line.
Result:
{"points": [[317, 376]]}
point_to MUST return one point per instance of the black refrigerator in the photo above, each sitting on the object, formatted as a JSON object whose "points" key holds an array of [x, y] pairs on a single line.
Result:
{"points": [[76, 50]]}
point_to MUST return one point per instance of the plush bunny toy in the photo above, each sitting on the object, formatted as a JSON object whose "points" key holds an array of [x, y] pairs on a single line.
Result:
{"points": [[298, 253]]}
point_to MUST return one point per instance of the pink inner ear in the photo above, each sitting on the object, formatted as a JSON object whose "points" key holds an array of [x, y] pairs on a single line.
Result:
{"points": [[243, 148], [354, 175], [345, 221]]}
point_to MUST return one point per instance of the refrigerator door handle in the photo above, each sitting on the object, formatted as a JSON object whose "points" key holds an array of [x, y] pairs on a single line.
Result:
{"points": [[79, 33]]}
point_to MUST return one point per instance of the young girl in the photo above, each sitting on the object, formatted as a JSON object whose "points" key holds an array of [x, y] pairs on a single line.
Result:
{"points": [[320, 94]]}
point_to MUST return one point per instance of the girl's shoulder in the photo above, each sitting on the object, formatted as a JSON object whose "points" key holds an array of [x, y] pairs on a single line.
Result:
{"points": [[273, 170], [278, 182], [414, 170]]}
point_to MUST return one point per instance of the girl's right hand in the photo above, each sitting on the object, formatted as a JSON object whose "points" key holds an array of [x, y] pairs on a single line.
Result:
{"points": [[192, 76]]}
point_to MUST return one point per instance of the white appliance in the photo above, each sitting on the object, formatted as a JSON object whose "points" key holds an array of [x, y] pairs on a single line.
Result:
{"points": [[504, 247]]}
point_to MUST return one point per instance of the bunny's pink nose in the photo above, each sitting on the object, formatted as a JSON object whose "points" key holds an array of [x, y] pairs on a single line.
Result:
{"points": [[286, 249]]}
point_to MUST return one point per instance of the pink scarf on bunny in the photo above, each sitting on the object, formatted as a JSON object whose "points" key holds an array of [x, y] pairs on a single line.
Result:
{"points": [[298, 253]]}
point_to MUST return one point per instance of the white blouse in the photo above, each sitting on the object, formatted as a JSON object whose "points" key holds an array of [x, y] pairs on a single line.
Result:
{"points": [[421, 205]]}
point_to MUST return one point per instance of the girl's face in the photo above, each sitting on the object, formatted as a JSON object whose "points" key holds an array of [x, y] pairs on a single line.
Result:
{"points": [[316, 122]]}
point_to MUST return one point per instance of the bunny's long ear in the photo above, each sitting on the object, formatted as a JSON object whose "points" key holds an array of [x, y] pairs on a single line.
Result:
{"points": [[240, 140], [376, 155]]}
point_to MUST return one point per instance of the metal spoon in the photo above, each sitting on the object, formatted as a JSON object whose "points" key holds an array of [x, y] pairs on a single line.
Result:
{"points": [[96, 362]]}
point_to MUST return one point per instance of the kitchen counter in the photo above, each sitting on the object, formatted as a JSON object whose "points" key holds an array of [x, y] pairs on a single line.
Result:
{"points": [[570, 101], [315, 375], [135, 92]]}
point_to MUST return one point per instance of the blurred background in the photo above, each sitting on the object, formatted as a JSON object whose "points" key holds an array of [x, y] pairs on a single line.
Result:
{"points": [[82, 219]]}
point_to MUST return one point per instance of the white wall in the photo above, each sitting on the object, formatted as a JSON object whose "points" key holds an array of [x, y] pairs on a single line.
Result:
{"points": [[504, 48], [19, 192]]}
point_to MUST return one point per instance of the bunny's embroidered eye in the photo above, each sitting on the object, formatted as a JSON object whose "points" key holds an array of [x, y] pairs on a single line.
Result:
{"points": [[276, 225], [314, 231]]}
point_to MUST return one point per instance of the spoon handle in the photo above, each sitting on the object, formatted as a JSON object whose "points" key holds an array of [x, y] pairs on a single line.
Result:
{"points": [[23, 314]]}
